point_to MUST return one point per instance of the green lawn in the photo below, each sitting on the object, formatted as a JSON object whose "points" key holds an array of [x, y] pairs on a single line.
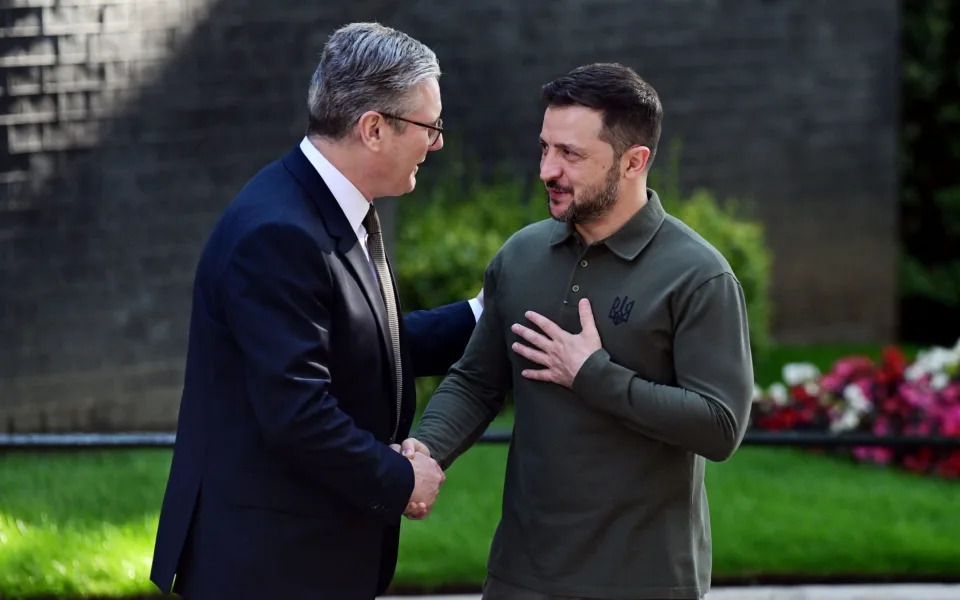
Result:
{"points": [[84, 523]]}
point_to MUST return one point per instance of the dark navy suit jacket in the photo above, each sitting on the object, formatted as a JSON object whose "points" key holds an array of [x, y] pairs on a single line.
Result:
{"points": [[282, 484]]}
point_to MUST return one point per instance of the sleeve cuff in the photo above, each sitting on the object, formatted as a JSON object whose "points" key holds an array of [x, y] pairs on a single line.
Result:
{"points": [[398, 489], [476, 308], [600, 379]]}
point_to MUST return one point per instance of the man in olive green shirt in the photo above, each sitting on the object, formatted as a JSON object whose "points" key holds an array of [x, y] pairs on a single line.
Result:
{"points": [[623, 336]]}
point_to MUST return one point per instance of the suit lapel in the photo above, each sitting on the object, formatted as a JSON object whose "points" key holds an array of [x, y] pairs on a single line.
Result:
{"points": [[347, 243]]}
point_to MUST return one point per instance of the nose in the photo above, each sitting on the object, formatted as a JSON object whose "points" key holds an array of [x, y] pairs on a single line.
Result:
{"points": [[437, 144], [549, 168]]}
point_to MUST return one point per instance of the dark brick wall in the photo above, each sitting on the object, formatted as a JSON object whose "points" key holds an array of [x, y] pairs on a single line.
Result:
{"points": [[125, 126]]}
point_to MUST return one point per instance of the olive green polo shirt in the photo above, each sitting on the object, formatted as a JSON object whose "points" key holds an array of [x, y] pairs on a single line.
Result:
{"points": [[604, 494]]}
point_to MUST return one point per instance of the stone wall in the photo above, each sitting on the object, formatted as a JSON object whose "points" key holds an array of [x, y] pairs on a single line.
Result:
{"points": [[127, 125]]}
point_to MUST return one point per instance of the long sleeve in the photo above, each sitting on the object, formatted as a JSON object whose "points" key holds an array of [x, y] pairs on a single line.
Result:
{"points": [[437, 337], [706, 412], [473, 392], [275, 295]]}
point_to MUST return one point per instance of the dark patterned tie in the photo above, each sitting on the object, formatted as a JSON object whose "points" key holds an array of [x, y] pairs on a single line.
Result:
{"points": [[379, 258]]}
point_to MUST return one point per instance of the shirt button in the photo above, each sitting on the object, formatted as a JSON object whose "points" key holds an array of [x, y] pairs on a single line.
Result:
{"points": [[576, 288], [583, 263]]}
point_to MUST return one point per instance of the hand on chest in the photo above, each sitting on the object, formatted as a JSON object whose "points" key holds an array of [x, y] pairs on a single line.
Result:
{"points": [[631, 311]]}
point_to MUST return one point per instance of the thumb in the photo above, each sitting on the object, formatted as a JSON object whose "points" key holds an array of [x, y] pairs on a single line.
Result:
{"points": [[586, 318], [408, 447]]}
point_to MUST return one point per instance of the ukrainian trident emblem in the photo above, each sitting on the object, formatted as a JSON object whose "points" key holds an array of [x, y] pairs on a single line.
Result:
{"points": [[620, 311]]}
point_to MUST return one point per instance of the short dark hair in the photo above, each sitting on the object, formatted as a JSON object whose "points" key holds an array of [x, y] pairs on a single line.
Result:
{"points": [[632, 114]]}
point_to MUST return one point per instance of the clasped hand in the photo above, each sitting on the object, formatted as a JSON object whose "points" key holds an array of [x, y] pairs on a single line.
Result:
{"points": [[428, 477]]}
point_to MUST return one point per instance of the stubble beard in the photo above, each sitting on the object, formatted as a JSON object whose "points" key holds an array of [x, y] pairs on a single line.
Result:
{"points": [[594, 203]]}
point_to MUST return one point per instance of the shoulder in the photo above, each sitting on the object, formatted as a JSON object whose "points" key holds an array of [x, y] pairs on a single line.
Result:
{"points": [[271, 212], [535, 235], [271, 201], [690, 252], [529, 241]]}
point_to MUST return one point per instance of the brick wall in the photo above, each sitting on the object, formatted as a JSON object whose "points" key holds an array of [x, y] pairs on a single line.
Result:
{"points": [[126, 125]]}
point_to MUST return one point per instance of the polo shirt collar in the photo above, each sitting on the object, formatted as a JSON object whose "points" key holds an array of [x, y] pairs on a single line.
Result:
{"points": [[630, 240]]}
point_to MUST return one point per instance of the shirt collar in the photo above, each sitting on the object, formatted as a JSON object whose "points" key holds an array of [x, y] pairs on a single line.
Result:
{"points": [[628, 241], [353, 204]]}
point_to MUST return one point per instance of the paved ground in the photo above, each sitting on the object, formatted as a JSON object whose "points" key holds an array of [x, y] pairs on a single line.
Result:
{"points": [[810, 592]]}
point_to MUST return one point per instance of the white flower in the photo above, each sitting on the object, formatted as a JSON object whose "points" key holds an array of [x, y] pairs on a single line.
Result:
{"points": [[849, 420], [778, 393], [797, 373], [933, 361], [913, 372], [856, 399], [939, 381], [812, 388], [757, 393]]}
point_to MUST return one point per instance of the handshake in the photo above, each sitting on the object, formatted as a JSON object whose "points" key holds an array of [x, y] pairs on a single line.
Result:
{"points": [[428, 477]]}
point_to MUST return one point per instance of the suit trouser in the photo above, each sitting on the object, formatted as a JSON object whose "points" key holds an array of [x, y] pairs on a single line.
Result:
{"points": [[498, 589]]}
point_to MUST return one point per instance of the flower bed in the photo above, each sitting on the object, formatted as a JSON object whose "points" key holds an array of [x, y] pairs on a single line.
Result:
{"points": [[891, 398]]}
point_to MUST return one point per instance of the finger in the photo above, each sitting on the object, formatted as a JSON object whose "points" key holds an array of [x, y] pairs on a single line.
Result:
{"points": [[541, 358], [547, 326], [409, 447], [395, 448], [539, 375], [420, 447], [540, 341], [586, 317]]}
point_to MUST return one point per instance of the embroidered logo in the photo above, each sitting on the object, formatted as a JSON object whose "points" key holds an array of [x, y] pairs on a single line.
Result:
{"points": [[620, 311]]}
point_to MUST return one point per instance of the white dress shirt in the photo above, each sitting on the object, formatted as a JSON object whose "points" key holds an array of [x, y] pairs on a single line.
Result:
{"points": [[354, 205]]}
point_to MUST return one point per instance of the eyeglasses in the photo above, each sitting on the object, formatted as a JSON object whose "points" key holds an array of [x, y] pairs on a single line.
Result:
{"points": [[436, 129]]}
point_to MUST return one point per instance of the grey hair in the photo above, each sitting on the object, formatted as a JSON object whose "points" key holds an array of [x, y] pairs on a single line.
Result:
{"points": [[366, 66]]}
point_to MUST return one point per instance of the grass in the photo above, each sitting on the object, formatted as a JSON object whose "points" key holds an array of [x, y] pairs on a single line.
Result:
{"points": [[83, 523], [78, 523]]}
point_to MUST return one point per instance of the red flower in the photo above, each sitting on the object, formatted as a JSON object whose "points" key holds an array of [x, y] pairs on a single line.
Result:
{"points": [[919, 461], [950, 466]]}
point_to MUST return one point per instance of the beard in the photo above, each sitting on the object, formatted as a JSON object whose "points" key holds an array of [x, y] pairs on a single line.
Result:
{"points": [[593, 202]]}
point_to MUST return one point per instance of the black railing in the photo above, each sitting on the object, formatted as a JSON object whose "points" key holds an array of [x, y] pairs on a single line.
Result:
{"points": [[44, 441]]}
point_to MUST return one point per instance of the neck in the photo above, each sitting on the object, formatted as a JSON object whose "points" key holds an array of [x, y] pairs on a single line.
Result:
{"points": [[628, 203], [345, 156]]}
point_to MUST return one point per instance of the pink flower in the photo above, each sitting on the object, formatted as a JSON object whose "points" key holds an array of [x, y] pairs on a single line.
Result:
{"points": [[918, 395], [950, 421]]}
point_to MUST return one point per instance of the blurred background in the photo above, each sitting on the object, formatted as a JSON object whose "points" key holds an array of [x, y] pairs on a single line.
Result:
{"points": [[814, 142]]}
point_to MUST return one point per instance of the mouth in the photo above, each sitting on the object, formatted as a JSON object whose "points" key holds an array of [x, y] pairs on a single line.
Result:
{"points": [[558, 194]]}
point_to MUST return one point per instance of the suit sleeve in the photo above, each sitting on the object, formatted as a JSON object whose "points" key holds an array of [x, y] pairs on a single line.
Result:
{"points": [[436, 338], [276, 296]]}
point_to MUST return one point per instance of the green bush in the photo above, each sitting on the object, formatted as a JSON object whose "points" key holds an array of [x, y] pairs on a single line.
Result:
{"points": [[445, 241], [930, 181]]}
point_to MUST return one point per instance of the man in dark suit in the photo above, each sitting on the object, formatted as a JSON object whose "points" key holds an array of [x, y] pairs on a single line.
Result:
{"points": [[300, 369]]}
